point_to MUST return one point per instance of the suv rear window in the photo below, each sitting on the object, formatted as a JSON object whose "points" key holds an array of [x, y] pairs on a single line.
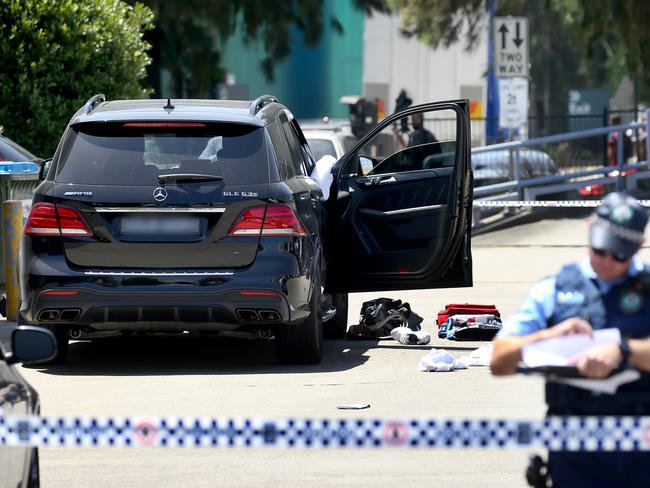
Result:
{"points": [[136, 153]]}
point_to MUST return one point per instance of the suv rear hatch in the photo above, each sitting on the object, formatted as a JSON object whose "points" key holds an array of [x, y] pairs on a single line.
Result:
{"points": [[159, 195]]}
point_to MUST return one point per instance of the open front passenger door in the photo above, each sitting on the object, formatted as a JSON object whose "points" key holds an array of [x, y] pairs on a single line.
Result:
{"points": [[399, 214]]}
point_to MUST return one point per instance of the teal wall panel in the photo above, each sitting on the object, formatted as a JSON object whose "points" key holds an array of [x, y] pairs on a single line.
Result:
{"points": [[312, 80]]}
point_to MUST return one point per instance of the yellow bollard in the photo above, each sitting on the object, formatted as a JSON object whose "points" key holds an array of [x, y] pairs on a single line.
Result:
{"points": [[12, 219]]}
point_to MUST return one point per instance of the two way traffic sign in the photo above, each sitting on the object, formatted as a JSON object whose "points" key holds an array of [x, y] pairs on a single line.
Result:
{"points": [[511, 68], [511, 46]]}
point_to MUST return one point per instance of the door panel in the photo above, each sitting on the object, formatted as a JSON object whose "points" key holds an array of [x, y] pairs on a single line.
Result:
{"points": [[400, 217]]}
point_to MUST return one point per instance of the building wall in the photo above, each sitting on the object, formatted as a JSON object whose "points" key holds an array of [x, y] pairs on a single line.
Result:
{"points": [[393, 62], [312, 80]]}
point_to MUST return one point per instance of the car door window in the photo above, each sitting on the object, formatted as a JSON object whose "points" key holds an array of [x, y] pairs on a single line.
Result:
{"points": [[307, 156], [294, 146], [282, 153], [421, 141]]}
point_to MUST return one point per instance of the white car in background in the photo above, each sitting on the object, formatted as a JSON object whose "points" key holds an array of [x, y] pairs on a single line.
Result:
{"points": [[328, 137]]}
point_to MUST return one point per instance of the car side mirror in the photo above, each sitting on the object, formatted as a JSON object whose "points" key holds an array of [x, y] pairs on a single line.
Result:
{"points": [[44, 169], [366, 164], [31, 345]]}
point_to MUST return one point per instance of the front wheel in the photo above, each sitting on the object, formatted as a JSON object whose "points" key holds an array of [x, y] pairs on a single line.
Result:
{"points": [[302, 343]]}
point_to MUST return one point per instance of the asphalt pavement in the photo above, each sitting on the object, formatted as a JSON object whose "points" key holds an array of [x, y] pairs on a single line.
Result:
{"points": [[161, 376]]}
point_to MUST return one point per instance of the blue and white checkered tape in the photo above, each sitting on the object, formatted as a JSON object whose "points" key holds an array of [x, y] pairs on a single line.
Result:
{"points": [[544, 203], [554, 433]]}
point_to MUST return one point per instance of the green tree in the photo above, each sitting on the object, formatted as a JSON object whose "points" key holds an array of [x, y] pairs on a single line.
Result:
{"points": [[617, 33], [573, 43], [58, 53]]}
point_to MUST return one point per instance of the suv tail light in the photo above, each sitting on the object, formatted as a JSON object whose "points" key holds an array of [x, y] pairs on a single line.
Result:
{"points": [[47, 219], [273, 220]]}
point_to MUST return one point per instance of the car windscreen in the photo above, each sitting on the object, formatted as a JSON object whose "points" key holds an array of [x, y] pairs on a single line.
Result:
{"points": [[321, 147], [138, 153], [10, 151]]}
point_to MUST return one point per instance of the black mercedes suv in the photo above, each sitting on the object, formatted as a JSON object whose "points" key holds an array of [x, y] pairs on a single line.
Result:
{"points": [[201, 215]]}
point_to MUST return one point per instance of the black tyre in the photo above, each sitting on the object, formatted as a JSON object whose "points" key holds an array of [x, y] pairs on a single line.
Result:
{"points": [[302, 343], [34, 480], [61, 333], [337, 326]]}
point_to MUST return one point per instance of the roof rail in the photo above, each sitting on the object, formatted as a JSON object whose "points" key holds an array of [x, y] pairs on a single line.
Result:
{"points": [[93, 102], [259, 103]]}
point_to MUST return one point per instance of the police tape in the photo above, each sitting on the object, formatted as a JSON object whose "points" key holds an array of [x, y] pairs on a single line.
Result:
{"points": [[553, 433], [544, 203]]}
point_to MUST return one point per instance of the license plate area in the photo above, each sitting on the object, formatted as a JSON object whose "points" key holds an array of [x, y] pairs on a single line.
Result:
{"points": [[160, 228]]}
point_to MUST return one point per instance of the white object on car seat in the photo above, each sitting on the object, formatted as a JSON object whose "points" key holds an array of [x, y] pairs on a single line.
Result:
{"points": [[214, 145]]}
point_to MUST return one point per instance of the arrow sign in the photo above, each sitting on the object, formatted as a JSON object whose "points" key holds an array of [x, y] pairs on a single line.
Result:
{"points": [[511, 47], [503, 30], [518, 40]]}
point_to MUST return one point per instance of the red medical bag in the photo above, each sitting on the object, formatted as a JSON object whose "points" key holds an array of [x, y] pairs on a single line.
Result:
{"points": [[466, 309]]}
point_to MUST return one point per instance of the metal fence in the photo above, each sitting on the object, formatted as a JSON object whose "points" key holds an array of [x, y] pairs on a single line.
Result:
{"points": [[563, 166], [541, 126]]}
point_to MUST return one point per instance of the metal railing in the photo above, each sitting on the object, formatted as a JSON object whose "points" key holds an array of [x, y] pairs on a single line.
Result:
{"points": [[564, 166]]}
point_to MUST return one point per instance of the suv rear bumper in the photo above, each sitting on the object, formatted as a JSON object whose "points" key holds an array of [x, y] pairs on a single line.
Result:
{"points": [[165, 301], [155, 309]]}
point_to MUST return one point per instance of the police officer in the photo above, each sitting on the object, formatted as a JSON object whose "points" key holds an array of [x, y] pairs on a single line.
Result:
{"points": [[609, 288]]}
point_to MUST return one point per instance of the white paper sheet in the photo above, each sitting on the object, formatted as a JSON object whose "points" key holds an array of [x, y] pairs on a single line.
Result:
{"points": [[558, 351]]}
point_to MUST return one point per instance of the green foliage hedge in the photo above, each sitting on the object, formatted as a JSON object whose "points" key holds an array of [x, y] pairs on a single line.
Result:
{"points": [[55, 54]]}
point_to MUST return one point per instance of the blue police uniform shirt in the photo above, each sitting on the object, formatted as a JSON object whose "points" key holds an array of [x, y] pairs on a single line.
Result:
{"points": [[538, 305]]}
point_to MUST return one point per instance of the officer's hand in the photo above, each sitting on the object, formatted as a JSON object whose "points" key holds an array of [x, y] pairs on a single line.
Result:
{"points": [[574, 325], [598, 362]]}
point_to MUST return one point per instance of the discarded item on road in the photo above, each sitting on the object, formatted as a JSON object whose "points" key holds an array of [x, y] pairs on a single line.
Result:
{"points": [[354, 406], [466, 327], [439, 360], [465, 308], [378, 317], [478, 357], [409, 337]]}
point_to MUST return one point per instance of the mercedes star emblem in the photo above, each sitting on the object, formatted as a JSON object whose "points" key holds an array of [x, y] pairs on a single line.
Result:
{"points": [[159, 194]]}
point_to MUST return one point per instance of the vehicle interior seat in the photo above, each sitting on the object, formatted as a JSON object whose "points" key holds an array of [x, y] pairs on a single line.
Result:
{"points": [[127, 166]]}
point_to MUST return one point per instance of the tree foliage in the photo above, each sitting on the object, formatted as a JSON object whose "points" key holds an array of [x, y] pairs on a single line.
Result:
{"points": [[619, 30], [440, 22], [57, 53], [578, 43]]}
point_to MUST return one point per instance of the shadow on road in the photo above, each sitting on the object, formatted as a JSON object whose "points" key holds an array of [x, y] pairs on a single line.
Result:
{"points": [[185, 355]]}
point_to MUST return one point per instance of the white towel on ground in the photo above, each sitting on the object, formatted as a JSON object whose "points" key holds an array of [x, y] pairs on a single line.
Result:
{"points": [[440, 360]]}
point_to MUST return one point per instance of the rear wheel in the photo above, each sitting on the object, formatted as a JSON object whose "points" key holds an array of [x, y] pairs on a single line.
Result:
{"points": [[302, 343], [61, 333], [337, 326]]}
